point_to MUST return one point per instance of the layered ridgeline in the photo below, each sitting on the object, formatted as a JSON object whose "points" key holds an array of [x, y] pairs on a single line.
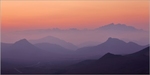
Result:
{"points": [[113, 45], [24, 51], [135, 63], [85, 37], [119, 28], [54, 40], [32, 58], [23, 54]]}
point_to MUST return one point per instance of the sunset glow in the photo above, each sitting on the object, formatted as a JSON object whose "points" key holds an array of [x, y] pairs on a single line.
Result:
{"points": [[18, 15]]}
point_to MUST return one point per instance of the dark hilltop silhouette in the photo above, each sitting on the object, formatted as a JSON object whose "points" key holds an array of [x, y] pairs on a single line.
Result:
{"points": [[135, 63]]}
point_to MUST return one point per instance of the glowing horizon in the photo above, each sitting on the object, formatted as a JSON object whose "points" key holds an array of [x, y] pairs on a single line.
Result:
{"points": [[19, 15]]}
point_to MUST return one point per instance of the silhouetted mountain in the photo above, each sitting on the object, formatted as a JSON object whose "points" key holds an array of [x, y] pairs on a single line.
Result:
{"points": [[144, 52], [25, 56], [117, 46], [23, 51], [53, 48], [136, 63], [24, 44], [118, 27], [54, 40], [49, 58], [112, 45]]}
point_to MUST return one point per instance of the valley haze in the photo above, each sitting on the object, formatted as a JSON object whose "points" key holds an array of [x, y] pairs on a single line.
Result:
{"points": [[89, 36]]}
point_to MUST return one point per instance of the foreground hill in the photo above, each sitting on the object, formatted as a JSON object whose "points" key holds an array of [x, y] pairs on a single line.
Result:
{"points": [[136, 63]]}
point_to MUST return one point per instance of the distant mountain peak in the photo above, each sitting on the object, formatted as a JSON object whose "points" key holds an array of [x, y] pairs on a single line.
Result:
{"points": [[22, 41], [110, 39], [113, 41], [116, 27], [111, 24]]}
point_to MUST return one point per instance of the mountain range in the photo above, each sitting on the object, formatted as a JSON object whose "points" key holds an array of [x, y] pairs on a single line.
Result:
{"points": [[24, 51], [135, 63], [46, 50], [82, 36], [110, 26], [119, 27], [28, 57], [112, 45]]}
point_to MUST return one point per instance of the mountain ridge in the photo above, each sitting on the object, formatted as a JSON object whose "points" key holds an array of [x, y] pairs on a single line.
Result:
{"points": [[120, 27], [112, 45], [54, 40], [114, 64]]}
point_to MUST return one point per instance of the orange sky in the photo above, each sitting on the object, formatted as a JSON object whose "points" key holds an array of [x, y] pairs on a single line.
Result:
{"points": [[24, 15]]}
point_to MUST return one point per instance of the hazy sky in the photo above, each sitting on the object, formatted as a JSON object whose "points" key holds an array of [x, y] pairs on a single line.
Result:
{"points": [[24, 15]]}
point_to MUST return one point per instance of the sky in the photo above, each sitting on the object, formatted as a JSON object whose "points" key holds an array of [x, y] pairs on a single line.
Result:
{"points": [[25, 15], [21, 15]]}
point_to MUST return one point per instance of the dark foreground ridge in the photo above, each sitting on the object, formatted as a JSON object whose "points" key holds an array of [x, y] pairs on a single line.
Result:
{"points": [[136, 63]]}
